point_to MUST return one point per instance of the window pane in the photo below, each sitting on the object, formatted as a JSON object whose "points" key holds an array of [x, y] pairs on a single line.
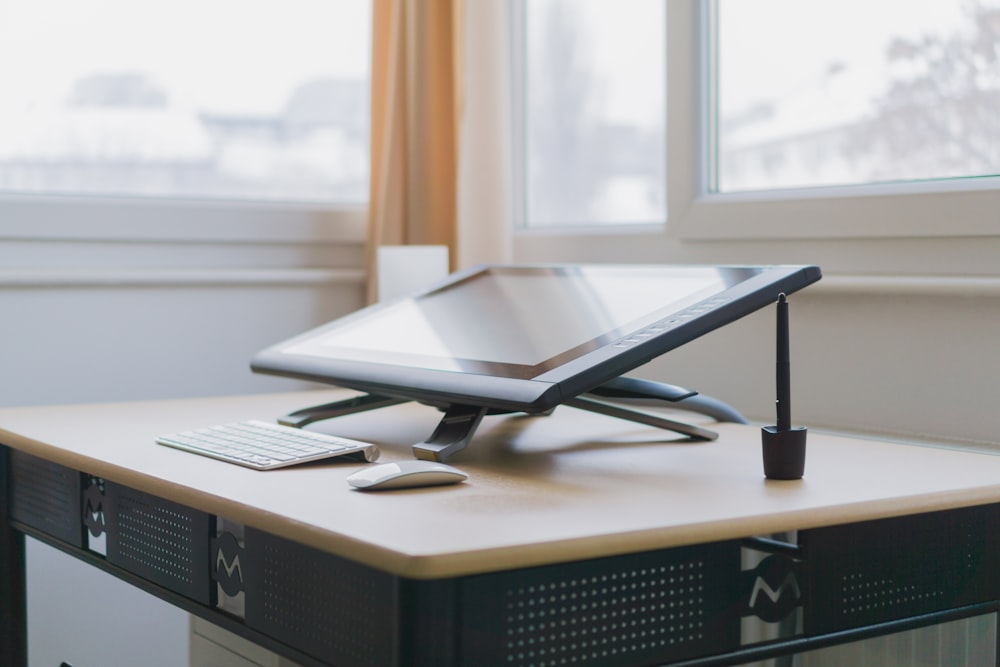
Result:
{"points": [[250, 99], [856, 91], [594, 112]]}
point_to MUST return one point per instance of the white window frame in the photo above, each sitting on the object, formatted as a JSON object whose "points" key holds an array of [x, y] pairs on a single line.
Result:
{"points": [[147, 219], [811, 223], [77, 241]]}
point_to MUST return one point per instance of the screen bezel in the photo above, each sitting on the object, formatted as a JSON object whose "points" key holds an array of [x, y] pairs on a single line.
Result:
{"points": [[543, 385]]}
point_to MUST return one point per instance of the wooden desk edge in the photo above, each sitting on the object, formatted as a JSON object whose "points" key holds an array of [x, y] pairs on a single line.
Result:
{"points": [[437, 565]]}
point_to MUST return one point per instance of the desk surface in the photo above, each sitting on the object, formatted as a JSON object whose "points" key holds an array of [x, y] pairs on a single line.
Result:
{"points": [[569, 486]]}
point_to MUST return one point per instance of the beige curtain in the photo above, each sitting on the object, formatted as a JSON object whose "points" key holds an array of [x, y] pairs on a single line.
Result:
{"points": [[415, 111]]}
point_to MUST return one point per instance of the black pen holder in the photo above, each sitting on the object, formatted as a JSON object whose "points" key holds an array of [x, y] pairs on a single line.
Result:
{"points": [[784, 452]]}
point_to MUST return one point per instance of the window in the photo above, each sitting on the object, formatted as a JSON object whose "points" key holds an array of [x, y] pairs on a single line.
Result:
{"points": [[841, 120], [594, 112], [203, 99]]}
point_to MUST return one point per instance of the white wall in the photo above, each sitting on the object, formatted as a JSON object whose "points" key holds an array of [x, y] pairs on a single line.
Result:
{"points": [[912, 366]]}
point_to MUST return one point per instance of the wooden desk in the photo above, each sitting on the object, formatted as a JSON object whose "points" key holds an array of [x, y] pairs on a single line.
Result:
{"points": [[577, 537]]}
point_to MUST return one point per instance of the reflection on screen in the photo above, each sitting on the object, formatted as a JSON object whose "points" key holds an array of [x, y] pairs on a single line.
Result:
{"points": [[522, 318]]}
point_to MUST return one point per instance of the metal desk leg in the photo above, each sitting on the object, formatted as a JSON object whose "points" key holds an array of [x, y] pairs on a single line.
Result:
{"points": [[13, 600]]}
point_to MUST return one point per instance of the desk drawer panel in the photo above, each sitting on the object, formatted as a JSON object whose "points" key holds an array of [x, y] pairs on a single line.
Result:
{"points": [[339, 611], [644, 608], [877, 571], [46, 496], [161, 541]]}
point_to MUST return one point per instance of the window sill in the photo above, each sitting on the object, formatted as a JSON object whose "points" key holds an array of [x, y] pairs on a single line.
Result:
{"points": [[963, 286], [913, 210], [78, 278], [26, 218]]}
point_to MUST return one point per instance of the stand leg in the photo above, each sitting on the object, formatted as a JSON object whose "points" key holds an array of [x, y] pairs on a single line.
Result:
{"points": [[452, 434], [306, 416], [13, 598], [642, 418]]}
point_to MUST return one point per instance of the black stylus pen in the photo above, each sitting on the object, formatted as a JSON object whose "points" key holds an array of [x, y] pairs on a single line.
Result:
{"points": [[784, 447], [783, 369]]}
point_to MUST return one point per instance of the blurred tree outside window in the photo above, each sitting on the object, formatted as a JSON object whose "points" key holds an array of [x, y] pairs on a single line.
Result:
{"points": [[856, 92]]}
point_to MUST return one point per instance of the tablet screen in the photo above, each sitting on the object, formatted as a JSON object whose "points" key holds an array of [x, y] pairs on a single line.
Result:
{"points": [[520, 321]]}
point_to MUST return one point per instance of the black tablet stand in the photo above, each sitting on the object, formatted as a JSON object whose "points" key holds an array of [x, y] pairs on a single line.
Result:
{"points": [[783, 446], [460, 422]]}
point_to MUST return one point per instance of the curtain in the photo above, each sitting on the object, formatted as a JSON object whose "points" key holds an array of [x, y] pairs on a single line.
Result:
{"points": [[415, 112]]}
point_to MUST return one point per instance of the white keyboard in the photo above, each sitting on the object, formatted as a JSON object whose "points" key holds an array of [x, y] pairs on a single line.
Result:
{"points": [[264, 446]]}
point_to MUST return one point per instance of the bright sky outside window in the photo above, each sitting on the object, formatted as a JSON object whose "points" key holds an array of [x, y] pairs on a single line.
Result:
{"points": [[594, 117], [856, 92], [232, 99]]}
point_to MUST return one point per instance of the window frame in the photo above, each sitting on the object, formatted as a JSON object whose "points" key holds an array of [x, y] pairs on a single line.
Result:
{"points": [[77, 242], [145, 220]]}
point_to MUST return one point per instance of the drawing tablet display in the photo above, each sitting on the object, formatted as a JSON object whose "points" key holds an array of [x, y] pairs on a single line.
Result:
{"points": [[527, 337]]}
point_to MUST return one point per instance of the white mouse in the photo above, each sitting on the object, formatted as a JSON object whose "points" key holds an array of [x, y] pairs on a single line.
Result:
{"points": [[403, 474]]}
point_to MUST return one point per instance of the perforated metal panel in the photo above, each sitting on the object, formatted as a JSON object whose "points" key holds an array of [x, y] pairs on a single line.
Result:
{"points": [[46, 496], [890, 569], [336, 610], [159, 540], [627, 610]]}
